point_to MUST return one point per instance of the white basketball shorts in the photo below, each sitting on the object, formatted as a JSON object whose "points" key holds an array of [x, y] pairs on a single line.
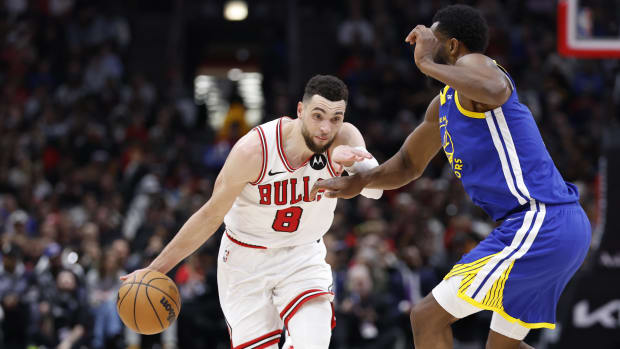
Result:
{"points": [[261, 289]]}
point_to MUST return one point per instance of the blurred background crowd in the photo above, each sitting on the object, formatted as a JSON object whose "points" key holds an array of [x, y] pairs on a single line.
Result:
{"points": [[104, 154]]}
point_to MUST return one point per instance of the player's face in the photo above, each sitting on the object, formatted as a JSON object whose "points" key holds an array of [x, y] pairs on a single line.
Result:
{"points": [[321, 120], [440, 54]]}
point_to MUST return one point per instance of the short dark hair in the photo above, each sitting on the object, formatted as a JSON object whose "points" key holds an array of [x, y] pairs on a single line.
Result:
{"points": [[465, 24], [326, 86]]}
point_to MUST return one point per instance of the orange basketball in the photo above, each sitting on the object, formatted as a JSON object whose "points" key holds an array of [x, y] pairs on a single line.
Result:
{"points": [[148, 302]]}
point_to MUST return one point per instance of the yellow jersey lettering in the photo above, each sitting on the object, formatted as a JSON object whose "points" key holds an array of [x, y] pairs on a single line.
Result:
{"points": [[458, 167]]}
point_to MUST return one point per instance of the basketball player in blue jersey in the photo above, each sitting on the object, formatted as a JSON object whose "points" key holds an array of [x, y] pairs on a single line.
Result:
{"points": [[494, 147]]}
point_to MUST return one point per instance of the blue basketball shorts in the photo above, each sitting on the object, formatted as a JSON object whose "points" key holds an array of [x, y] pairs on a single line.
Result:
{"points": [[521, 268]]}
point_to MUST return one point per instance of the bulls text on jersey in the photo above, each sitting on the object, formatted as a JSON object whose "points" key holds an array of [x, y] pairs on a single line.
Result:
{"points": [[286, 192]]}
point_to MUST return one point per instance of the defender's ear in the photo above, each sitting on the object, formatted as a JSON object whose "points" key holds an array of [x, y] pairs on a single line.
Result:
{"points": [[453, 46]]}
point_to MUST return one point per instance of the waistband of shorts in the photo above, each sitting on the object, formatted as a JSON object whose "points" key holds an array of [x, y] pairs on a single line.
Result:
{"points": [[258, 247], [527, 207], [241, 243]]}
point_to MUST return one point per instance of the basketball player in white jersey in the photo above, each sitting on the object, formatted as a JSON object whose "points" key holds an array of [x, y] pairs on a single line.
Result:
{"points": [[271, 264]]}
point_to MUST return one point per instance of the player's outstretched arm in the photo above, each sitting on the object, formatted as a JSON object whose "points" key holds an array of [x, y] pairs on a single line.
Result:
{"points": [[241, 167], [405, 166], [413, 157], [352, 156], [474, 75]]}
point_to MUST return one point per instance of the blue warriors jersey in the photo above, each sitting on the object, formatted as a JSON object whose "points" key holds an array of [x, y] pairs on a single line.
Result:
{"points": [[521, 268], [500, 156]]}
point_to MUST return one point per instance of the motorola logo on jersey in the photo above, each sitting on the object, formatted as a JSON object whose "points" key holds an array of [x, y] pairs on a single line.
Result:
{"points": [[318, 161]]}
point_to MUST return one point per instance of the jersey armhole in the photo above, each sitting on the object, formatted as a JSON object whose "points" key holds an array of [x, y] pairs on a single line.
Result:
{"points": [[512, 84], [263, 143], [330, 168]]}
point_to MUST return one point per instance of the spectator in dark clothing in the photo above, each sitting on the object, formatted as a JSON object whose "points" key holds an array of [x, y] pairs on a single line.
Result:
{"points": [[15, 283], [368, 318], [102, 286], [63, 318], [201, 324]]}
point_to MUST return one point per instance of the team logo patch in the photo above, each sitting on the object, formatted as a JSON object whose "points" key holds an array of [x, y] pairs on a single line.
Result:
{"points": [[318, 161]]}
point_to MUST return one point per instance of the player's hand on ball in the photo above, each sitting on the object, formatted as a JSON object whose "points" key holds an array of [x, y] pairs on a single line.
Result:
{"points": [[344, 155], [339, 187], [131, 275]]}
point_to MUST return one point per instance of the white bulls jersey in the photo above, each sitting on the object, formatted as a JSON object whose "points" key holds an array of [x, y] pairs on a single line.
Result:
{"points": [[276, 211]]}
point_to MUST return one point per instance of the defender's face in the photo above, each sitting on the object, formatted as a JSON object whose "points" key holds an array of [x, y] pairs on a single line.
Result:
{"points": [[321, 120], [441, 53]]}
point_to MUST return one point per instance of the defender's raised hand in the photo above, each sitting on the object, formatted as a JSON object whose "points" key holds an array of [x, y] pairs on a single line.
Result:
{"points": [[425, 43]]}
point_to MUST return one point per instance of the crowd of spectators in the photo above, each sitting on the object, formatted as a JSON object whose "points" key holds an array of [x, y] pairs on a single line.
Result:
{"points": [[100, 166]]}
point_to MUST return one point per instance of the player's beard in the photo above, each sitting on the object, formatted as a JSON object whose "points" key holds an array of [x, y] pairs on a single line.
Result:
{"points": [[311, 144], [441, 56]]}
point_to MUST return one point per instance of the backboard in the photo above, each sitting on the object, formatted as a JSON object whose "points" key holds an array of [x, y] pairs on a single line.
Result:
{"points": [[589, 28]]}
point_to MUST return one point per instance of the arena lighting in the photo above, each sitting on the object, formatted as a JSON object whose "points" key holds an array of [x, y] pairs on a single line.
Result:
{"points": [[208, 91], [251, 91], [235, 10], [235, 74]]}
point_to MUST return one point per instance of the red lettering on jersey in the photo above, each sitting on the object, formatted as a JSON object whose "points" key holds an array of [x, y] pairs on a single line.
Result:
{"points": [[307, 189], [280, 195], [280, 192], [265, 194], [294, 199]]}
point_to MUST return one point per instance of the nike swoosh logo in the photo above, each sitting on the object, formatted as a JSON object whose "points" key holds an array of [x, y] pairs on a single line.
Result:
{"points": [[275, 173]]}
